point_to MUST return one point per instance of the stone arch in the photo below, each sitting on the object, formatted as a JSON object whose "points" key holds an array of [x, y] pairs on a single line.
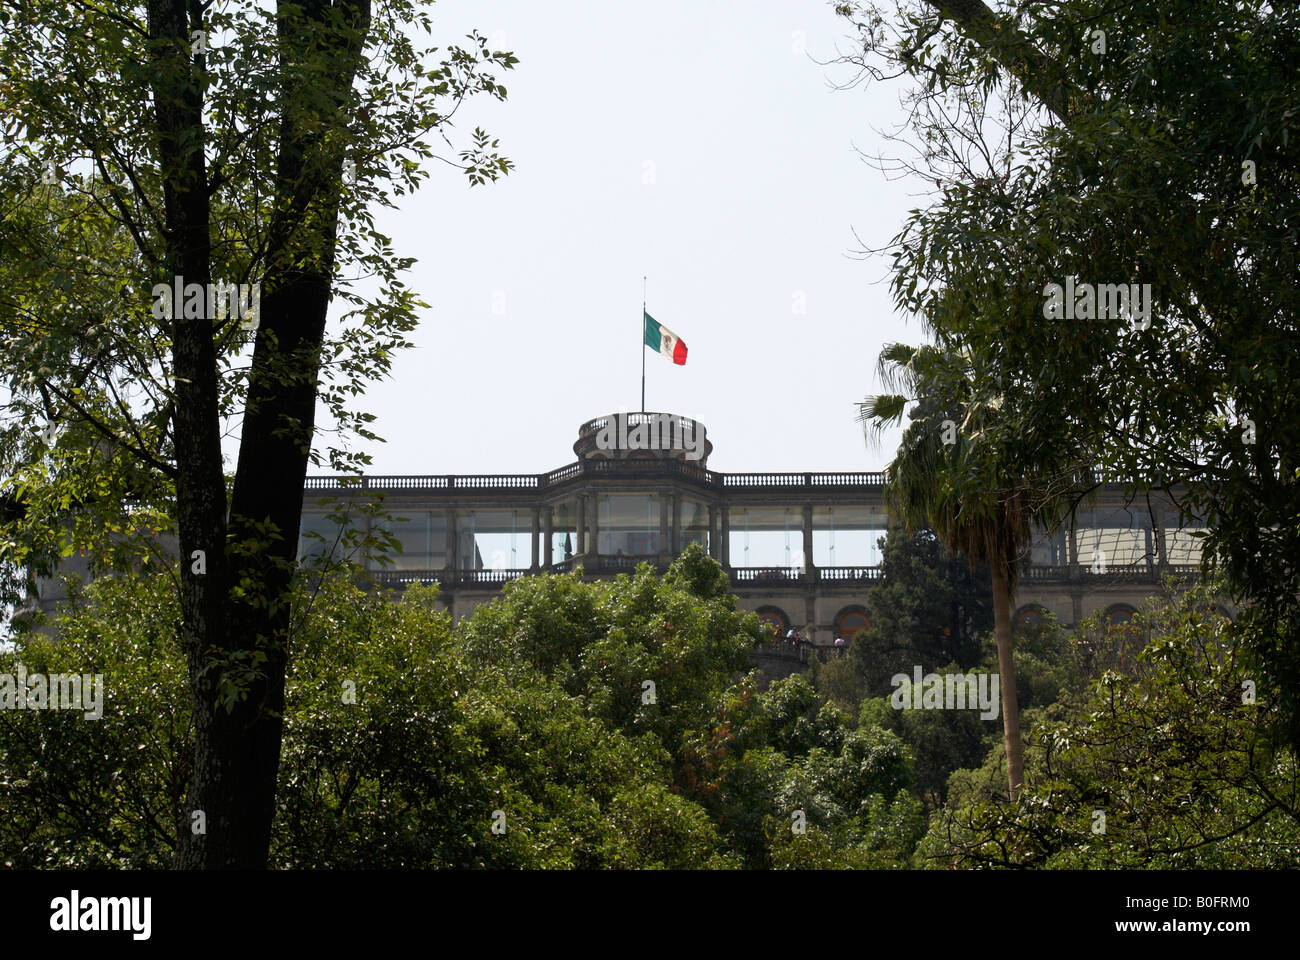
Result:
{"points": [[774, 617], [850, 621], [1118, 614], [1029, 617]]}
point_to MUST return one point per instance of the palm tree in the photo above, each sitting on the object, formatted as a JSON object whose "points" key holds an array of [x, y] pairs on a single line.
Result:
{"points": [[962, 468]]}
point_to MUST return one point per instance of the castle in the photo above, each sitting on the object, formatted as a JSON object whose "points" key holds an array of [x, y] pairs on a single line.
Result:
{"points": [[800, 548]]}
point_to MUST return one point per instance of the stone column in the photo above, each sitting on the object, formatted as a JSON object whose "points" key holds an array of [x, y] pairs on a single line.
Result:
{"points": [[536, 529], [1073, 572], [713, 533], [580, 548], [665, 525], [548, 521], [809, 569], [725, 540], [365, 529], [676, 537], [1162, 545], [593, 525], [450, 563]]}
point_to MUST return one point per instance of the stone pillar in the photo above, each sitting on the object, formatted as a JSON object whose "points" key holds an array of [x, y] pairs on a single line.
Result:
{"points": [[676, 537], [665, 524], [725, 540], [580, 548], [1162, 546], [809, 569], [714, 552], [536, 529], [593, 525], [1073, 546], [450, 562], [548, 521]]}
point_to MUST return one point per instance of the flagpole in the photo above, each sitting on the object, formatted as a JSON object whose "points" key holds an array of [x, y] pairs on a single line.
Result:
{"points": [[643, 344]]}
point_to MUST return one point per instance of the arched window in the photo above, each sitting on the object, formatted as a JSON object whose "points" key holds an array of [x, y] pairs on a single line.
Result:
{"points": [[1119, 613], [850, 622], [775, 618], [1030, 617]]}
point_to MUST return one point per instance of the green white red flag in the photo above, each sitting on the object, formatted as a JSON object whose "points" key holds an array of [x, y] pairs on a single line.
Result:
{"points": [[658, 337]]}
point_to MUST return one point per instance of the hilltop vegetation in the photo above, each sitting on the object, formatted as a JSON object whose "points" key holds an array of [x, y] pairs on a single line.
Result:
{"points": [[617, 724]]}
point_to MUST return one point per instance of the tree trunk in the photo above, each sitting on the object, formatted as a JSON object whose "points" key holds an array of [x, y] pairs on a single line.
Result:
{"points": [[239, 649], [1007, 673]]}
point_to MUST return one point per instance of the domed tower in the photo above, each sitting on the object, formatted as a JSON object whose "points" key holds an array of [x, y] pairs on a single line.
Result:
{"points": [[643, 436]]}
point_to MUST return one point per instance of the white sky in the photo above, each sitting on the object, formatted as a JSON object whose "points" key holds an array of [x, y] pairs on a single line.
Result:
{"points": [[755, 194]]}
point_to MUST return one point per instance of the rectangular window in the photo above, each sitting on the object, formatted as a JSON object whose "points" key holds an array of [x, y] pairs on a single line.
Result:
{"points": [[1182, 548], [564, 530], [1116, 538], [695, 524], [320, 536], [628, 525], [422, 539], [766, 536], [1049, 550], [494, 539], [848, 536]]}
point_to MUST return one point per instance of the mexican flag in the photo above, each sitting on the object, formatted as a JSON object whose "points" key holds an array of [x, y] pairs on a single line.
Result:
{"points": [[659, 337]]}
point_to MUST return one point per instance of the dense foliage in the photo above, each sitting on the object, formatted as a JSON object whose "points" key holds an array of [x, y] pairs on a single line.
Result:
{"points": [[1139, 144], [616, 724], [929, 609]]}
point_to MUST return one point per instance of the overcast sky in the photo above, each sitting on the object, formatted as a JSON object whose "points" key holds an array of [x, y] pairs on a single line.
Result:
{"points": [[698, 144]]}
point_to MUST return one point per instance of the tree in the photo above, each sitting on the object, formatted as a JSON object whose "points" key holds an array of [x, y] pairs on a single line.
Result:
{"points": [[399, 749], [649, 655], [929, 609], [1165, 762], [963, 470], [240, 145], [1160, 147]]}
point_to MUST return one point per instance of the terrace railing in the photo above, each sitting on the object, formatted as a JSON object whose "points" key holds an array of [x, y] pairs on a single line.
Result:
{"points": [[795, 480], [763, 575], [857, 574], [632, 468], [750, 577]]}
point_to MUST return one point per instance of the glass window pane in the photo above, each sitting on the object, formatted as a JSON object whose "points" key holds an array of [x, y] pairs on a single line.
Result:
{"points": [[564, 530], [1116, 537], [319, 535], [422, 537], [766, 536], [628, 524], [848, 536], [695, 524], [494, 539]]}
